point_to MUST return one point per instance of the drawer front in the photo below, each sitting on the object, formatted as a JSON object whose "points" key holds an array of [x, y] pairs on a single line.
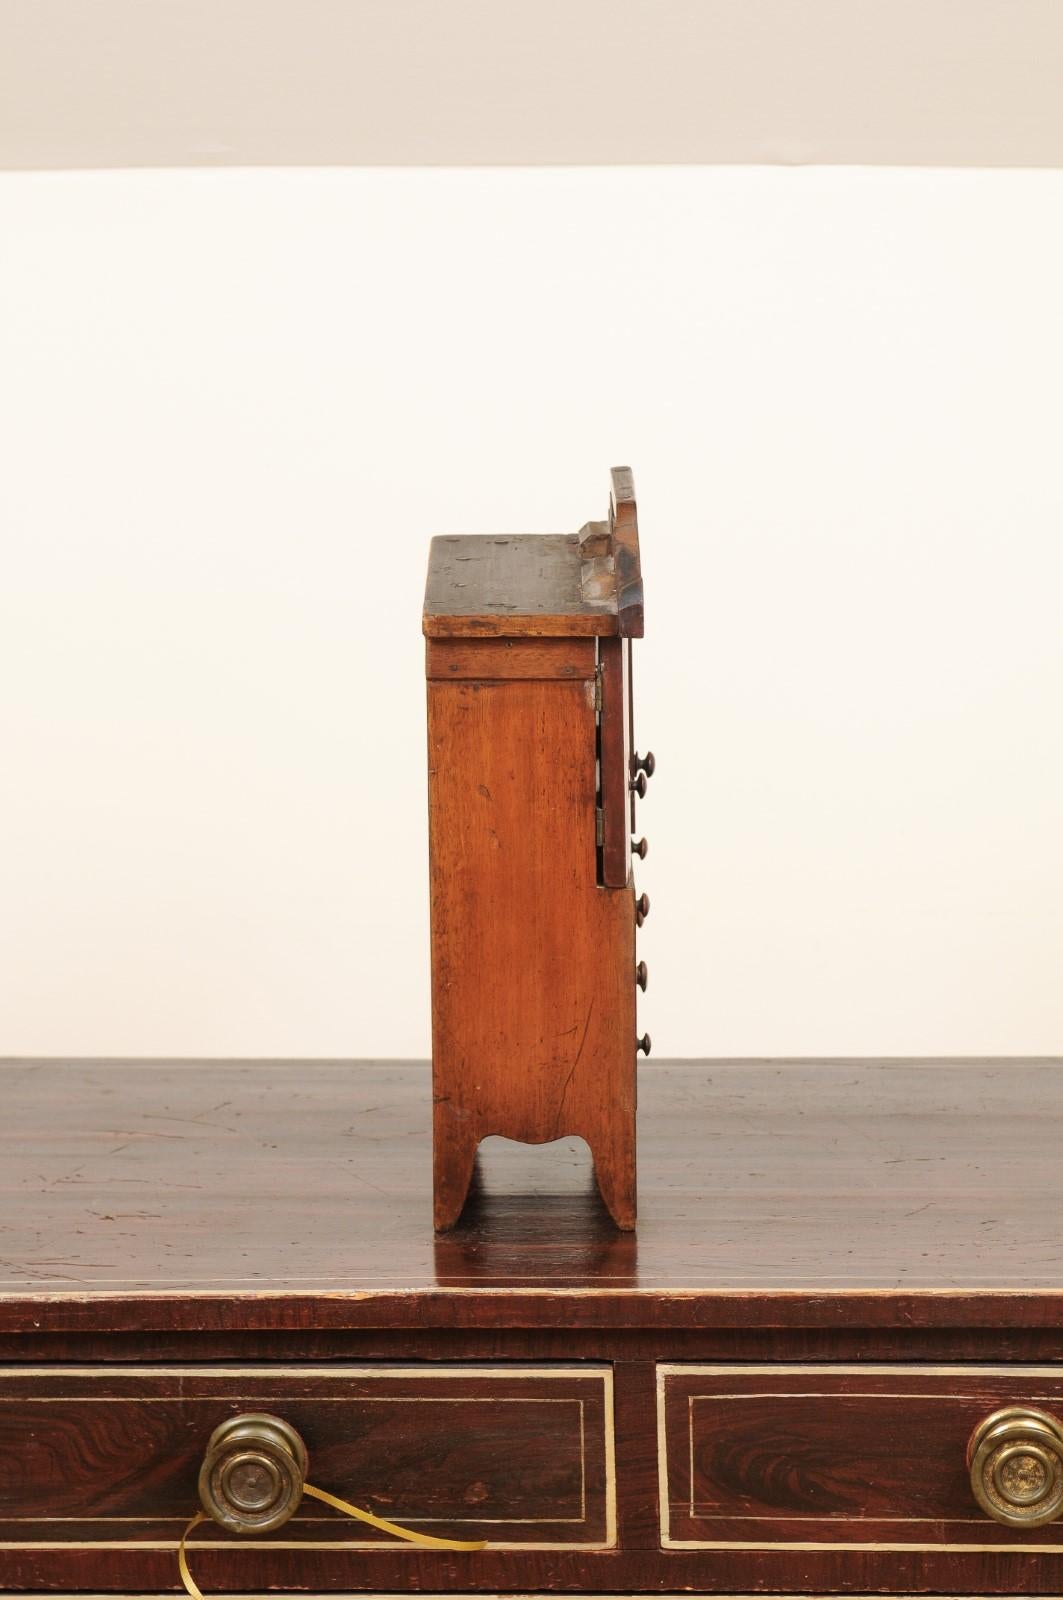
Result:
{"points": [[868, 1458], [109, 1457]]}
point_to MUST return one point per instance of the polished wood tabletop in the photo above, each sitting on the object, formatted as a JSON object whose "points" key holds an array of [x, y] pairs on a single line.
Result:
{"points": [[255, 1193]]}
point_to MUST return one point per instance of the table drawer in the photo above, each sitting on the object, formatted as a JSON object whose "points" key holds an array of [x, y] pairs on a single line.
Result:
{"points": [[109, 1457], [861, 1458]]}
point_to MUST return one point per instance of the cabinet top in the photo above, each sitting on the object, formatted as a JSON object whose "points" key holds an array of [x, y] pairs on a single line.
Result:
{"points": [[544, 585], [270, 1195]]}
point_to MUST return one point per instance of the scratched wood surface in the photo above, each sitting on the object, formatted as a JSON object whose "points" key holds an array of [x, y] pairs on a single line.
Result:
{"points": [[514, 585], [298, 1194], [792, 1212]]}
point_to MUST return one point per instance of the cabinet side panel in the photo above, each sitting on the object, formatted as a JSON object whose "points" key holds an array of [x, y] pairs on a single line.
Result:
{"points": [[532, 961]]}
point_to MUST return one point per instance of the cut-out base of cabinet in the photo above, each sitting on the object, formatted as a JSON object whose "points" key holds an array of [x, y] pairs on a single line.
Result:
{"points": [[810, 1339]]}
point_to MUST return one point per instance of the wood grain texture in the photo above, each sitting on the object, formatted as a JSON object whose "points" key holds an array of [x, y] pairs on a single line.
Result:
{"points": [[804, 1208], [521, 1456], [533, 969], [256, 1213], [486, 660], [615, 764], [533, 1009], [627, 558], [637, 1564], [861, 1456], [530, 585], [241, 1567], [514, 586]]}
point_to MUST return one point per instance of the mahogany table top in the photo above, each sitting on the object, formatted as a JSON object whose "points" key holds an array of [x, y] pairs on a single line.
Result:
{"points": [[280, 1194]]}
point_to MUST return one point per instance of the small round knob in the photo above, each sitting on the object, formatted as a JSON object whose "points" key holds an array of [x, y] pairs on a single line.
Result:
{"points": [[641, 975], [253, 1473], [645, 763], [645, 1044], [1015, 1458], [639, 786], [642, 909], [640, 848]]}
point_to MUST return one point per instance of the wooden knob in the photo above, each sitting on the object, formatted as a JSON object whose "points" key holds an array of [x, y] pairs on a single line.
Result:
{"points": [[639, 785], [645, 763], [645, 1044], [253, 1473], [642, 909], [640, 848], [1015, 1458], [641, 975]]}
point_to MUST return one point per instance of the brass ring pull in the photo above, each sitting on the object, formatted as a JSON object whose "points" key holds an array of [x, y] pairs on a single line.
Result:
{"points": [[253, 1473], [253, 1477], [1016, 1461]]}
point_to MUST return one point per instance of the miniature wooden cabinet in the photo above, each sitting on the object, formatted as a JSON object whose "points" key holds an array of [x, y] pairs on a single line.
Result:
{"points": [[532, 786]]}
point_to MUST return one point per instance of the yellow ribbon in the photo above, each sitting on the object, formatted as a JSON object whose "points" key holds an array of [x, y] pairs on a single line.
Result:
{"points": [[428, 1541], [182, 1559]]}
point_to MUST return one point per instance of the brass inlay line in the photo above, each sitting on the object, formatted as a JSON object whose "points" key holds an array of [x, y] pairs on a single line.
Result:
{"points": [[455, 1400], [385, 1373], [888, 1549], [239, 1543], [553, 1521], [973, 1522], [826, 1369], [851, 1394], [666, 1370], [325, 1399], [819, 1394], [504, 1372]]}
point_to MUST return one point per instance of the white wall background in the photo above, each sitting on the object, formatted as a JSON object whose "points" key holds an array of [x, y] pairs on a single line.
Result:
{"points": [[241, 83], [236, 404]]}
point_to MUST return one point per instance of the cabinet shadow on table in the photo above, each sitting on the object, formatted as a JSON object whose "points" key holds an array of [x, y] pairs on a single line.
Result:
{"points": [[534, 1211]]}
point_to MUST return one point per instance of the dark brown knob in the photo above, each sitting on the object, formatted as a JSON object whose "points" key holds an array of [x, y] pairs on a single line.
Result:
{"points": [[639, 848], [645, 763], [639, 785], [253, 1472], [641, 975], [645, 1044], [642, 909]]}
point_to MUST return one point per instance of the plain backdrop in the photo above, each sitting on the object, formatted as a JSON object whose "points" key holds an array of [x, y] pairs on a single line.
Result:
{"points": [[235, 406], [240, 83]]}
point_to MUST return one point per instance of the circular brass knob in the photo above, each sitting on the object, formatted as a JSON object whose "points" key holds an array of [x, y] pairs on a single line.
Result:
{"points": [[639, 848], [639, 785], [642, 973], [1016, 1462], [642, 909], [253, 1472], [644, 763]]}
